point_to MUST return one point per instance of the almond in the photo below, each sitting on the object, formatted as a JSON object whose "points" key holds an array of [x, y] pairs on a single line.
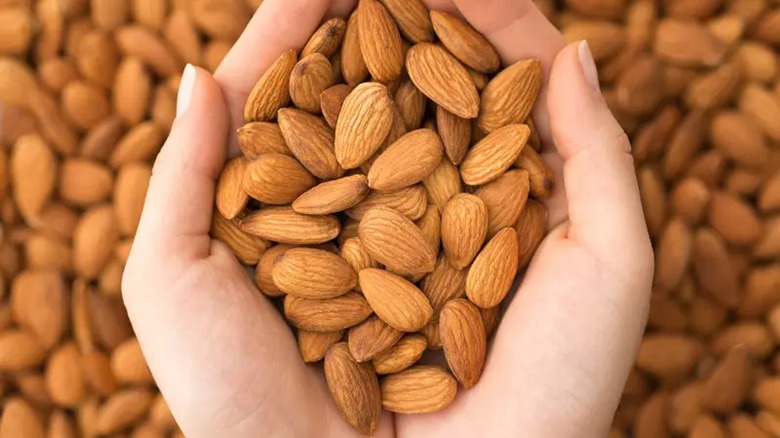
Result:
{"points": [[258, 138], [395, 300], [490, 318], [763, 107], [410, 202], [311, 141], [141, 143], [728, 385], [531, 229], [432, 335], [231, 198], [395, 241], [605, 38], [455, 134], [463, 41], [94, 240], [39, 302], [283, 225], [713, 269], [405, 353], [540, 174], [327, 39], [123, 409], [673, 254], [464, 340], [464, 223], [84, 104], [364, 122], [129, 365], [130, 189], [333, 196], [443, 183], [19, 349], [493, 155], [353, 66], [734, 219], [247, 248], [411, 105], [444, 284], [668, 355], [687, 43], [355, 389], [412, 19], [409, 160], [355, 254], [19, 419], [33, 170], [418, 390], [491, 275], [510, 96], [380, 42], [96, 371], [64, 379], [310, 77], [276, 179], [689, 200], [181, 34], [132, 88], [714, 89], [137, 41], [371, 337], [264, 271], [331, 101], [314, 345], [430, 226], [458, 94], [327, 315], [505, 199], [313, 274], [272, 91]]}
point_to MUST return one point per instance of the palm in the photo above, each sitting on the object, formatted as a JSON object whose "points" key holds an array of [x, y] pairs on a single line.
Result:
{"points": [[229, 366]]}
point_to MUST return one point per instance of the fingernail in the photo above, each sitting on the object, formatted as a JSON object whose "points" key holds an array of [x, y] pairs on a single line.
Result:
{"points": [[588, 65], [186, 87]]}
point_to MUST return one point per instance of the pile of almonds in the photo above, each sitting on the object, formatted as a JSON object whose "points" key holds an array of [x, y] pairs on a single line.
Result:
{"points": [[395, 221], [88, 90]]}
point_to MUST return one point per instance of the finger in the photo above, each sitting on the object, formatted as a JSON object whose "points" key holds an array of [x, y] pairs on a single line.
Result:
{"points": [[177, 212], [277, 26], [518, 30], [602, 191]]}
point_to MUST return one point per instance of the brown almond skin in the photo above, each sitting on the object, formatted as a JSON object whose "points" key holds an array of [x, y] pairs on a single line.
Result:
{"points": [[445, 283], [464, 340], [310, 140], [491, 275], [258, 138], [314, 274], [371, 337], [395, 300], [405, 353], [410, 201], [314, 345], [531, 229], [247, 248], [380, 41], [455, 134], [464, 224], [463, 41], [311, 76], [333, 196], [411, 104], [430, 225], [418, 390], [540, 174], [327, 39], [493, 155], [283, 225], [353, 66], [355, 388], [409, 160], [458, 94], [327, 315], [272, 91], [331, 101], [510, 96], [230, 195], [505, 199], [395, 241], [363, 124], [277, 179], [412, 19], [264, 270], [443, 183]]}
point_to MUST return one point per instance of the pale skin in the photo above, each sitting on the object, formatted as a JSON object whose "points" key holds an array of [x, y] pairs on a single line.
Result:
{"points": [[228, 365]]}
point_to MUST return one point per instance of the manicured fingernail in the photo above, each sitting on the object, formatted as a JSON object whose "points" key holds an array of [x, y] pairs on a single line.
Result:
{"points": [[588, 65], [186, 87]]}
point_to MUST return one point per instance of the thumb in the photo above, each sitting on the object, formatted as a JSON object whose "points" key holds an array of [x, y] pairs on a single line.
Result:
{"points": [[605, 211]]}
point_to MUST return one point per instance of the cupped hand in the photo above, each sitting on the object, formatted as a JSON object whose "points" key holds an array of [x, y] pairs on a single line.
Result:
{"points": [[228, 365]]}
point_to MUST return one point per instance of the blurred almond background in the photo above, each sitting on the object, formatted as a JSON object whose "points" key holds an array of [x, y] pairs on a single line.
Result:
{"points": [[88, 91]]}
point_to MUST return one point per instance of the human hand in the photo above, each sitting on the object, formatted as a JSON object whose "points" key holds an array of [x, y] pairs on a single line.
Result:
{"points": [[229, 366]]}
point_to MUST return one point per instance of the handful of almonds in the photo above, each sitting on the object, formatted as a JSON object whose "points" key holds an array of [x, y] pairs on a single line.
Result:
{"points": [[389, 205]]}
